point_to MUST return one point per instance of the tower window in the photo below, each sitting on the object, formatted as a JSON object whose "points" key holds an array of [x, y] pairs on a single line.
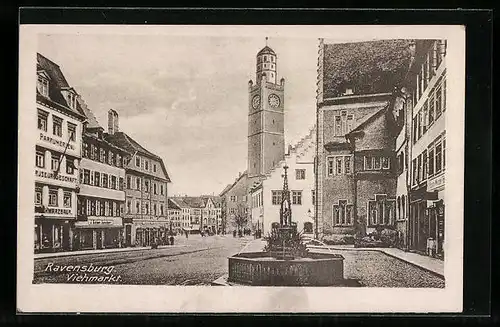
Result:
{"points": [[272, 59], [272, 75]]}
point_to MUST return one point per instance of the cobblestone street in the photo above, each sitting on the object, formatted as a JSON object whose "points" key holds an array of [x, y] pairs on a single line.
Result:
{"points": [[201, 260]]}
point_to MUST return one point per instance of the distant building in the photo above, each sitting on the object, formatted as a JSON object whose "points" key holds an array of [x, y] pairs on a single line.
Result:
{"points": [[175, 217], [266, 194], [146, 180], [204, 212], [356, 187], [235, 202], [102, 196], [57, 158]]}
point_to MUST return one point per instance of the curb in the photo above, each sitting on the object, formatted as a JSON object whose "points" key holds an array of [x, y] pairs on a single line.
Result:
{"points": [[74, 253], [384, 252]]}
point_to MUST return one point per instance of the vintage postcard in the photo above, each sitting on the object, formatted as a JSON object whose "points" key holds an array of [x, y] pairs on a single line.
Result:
{"points": [[241, 168]]}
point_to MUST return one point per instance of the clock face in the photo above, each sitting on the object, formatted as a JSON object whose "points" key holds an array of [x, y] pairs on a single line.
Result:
{"points": [[274, 100], [256, 102]]}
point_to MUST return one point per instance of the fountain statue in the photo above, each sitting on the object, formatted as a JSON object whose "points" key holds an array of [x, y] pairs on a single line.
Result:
{"points": [[285, 260]]}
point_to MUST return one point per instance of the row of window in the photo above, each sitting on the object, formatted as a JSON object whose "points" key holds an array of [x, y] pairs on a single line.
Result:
{"points": [[381, 211], [234, 198], [339, 165], [57, 125], [376, 163], [156, 209], [101, 179], [93, 152], [343, 213], [433, 107], [55, 159], [144, 163], [428, 69], [135, 183], [100, 207], [343, 123], [276, 197], [430, 162], [265, 59], [342, 164], [53, 197]]}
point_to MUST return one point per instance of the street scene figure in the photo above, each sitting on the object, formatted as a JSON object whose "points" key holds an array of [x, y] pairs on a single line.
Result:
{"points": [[145, 144]]}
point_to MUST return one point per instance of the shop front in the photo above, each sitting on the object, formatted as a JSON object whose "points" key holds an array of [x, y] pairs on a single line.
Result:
{"points": [[52, 234], [98, 234], [424, 223], [147, 233]]}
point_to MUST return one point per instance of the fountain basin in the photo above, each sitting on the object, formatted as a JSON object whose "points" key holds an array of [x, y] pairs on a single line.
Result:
{"points": [[261, 269]]}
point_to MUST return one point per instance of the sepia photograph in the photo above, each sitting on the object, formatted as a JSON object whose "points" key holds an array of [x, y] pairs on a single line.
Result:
{"points": [[240, 158]]}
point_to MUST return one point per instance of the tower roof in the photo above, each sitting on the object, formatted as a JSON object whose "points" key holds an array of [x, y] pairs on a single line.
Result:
{"points": [[266, 50]]}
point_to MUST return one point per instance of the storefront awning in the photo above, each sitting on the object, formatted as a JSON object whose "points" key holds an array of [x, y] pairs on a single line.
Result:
{"points": [[422, 194], [97, 226]]}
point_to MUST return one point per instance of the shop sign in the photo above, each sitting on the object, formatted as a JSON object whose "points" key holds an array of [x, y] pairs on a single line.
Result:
{"points": [[51, 140], [100, 222], [51, 175], [58, 211], [435, 182], [103, 222]]}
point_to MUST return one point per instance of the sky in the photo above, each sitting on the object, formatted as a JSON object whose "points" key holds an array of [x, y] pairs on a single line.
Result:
{"points": [[185, 98]]}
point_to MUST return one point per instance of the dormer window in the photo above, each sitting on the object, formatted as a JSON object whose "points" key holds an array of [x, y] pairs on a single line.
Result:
{"points": [[72, 100], [43, 85]]}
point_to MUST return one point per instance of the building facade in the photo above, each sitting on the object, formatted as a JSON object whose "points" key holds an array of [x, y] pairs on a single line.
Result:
{"points": [[57, 158], [356, 182], [101, 199], [175, 217], [234, 200], [426, 105], [266, 195], [146, 179]]}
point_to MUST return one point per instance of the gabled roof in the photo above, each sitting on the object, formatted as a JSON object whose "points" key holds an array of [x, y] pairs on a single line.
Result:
{"points": [[127, 143], [91, 119], [216, 200], [57, 83], [189, 201], [366, 67], [229, 187], [173, 205]]}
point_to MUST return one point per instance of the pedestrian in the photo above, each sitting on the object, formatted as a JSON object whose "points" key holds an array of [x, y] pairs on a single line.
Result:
{"points": [[171, 240]]}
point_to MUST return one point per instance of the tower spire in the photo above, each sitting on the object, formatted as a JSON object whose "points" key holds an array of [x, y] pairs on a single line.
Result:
{"points": [[266, 40]]}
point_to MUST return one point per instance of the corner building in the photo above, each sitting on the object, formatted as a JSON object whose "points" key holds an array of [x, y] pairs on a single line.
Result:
{"points": [[57, 158]]}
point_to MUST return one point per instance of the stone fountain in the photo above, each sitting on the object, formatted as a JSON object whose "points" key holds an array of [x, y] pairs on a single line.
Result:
{"points": [[286, 261]]}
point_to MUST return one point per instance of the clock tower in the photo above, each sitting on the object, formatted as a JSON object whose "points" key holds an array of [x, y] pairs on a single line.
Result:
{"points": [[266, 119]]}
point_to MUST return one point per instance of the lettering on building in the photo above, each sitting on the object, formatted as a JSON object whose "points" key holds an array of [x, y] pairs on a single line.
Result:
{"points": [[49, 139], [51, 175]]}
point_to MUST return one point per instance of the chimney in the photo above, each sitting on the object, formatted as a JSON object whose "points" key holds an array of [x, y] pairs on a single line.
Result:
{"points": [[289, 148], [112, 122]]}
